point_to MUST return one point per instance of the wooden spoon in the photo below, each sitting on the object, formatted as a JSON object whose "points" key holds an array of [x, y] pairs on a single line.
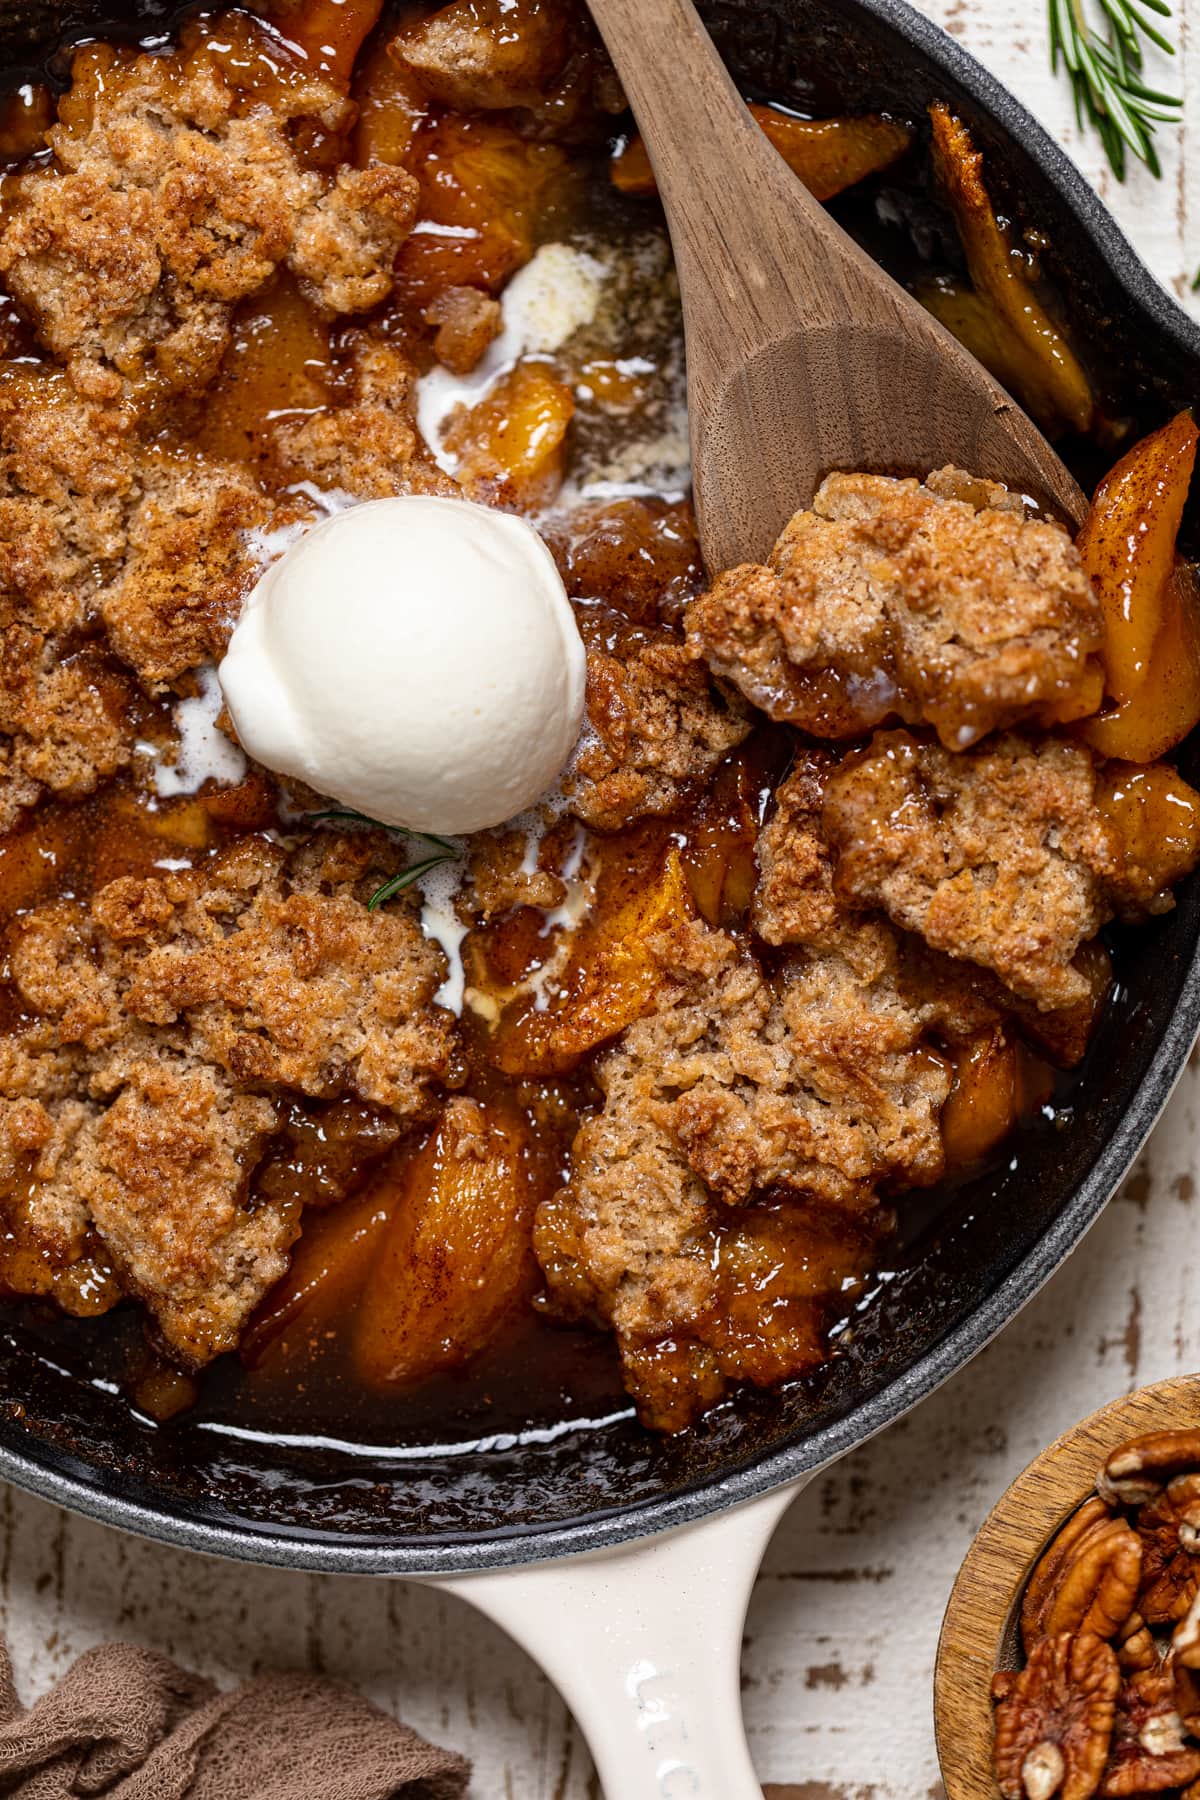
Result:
{"points": [[802, 354]]}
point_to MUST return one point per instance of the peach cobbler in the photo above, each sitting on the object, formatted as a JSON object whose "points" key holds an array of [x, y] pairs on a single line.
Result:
{"points": [[811, 917]]}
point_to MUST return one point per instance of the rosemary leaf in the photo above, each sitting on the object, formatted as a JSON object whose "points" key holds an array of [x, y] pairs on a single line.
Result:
{"points": [[347, 816], [403, 880], [1104, 64]]}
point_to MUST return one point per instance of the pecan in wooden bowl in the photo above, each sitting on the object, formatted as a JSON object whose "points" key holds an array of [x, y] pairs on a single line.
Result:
{"points": [[1069, 1662]]}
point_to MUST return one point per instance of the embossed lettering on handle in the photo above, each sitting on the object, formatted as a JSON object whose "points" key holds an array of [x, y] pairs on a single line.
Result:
{"points": [[644, 1644]]}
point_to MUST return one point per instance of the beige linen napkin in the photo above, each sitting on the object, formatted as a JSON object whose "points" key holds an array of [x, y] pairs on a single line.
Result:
{"points": [[132, 1725]]}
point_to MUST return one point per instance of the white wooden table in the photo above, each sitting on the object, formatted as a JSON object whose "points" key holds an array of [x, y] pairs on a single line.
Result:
{"points": [[839, 1652]]}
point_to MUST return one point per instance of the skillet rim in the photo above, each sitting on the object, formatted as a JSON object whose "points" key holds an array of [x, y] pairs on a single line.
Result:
{"points": [[793, 1461]]}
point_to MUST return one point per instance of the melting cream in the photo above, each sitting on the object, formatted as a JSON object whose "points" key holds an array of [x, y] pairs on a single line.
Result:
{"points": [[441, 924], [204, 752], [559, 923], [544, 304], [267, 543]]}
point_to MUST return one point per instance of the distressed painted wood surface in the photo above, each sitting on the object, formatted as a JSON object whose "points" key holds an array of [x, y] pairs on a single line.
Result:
{"points": [[839, 1653]]}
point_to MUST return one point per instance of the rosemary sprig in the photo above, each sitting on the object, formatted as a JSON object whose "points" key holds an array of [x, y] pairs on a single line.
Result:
{"points": [[395, 884], [404, 879], [349, 817], [1104, 66]]}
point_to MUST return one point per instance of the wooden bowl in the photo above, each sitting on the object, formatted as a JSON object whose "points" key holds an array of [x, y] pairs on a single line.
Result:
{"points": [[979, 1632]]}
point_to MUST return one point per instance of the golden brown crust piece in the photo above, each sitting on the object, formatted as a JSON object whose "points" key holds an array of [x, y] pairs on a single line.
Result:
{"points": [[542, 60], [164, 1172], [269, 966], [187, 566], [504, 872], [999, 856], [185, 1007], [67, 473], [62, 720], [368, 444], [940, 603], [466, 321], [796, 902], [816, 1082], [156, 545], [174, 194], [655, 728], [96, 531], [465, 58]]}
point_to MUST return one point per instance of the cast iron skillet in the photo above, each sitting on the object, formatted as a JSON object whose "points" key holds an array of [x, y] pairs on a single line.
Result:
{"points": [[430, 1509]]}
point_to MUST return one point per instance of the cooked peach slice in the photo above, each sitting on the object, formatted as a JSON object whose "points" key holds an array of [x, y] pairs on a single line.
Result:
{"points": [[328, 1268], [1052, 382], [250, 805], [1128, 547], [997, 1079], [330, 32], [975, 323], [483, 191], [133, 840], [721, 871], [457, 1256], [1155, 817], [34, 860], [392, 108], [512, 445], [185, 822], [982, 1104], [278, 363], [1166, 705], [612, 975], [827, 154], [718, 855]]}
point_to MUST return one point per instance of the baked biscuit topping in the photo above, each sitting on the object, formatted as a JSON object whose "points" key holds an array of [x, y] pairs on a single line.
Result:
{"points": [[663, 1055], [939, 603]]}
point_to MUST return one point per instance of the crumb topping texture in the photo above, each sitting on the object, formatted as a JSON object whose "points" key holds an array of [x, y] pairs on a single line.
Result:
{"points": [[937, 603], [815, 911]]}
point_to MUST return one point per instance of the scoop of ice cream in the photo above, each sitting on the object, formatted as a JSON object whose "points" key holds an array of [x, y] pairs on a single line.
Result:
{"points": [[417, 659]]}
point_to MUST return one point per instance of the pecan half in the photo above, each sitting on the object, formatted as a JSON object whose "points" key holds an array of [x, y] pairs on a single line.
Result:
{"points": [[1185, 1640], [1169, 1527], [1136, 1648], [1135, 1472], [1148, 1751], [1187, 1694], [1087, 1580], [1054, 1730]]}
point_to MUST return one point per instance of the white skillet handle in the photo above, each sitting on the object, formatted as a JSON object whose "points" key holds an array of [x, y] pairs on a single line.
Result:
{"points": [[644, 1644]]}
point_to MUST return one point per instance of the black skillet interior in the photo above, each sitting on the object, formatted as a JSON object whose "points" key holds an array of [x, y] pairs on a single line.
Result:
{"points": [[966, 1271]]}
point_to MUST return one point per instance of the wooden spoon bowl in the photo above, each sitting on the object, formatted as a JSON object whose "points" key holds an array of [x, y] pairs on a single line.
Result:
{"points": [[979, 1632], [803, 355]]}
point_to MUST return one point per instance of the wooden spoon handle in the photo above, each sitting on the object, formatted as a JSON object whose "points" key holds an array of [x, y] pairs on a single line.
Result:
{"points": [[765, 252], [722, 182]]}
